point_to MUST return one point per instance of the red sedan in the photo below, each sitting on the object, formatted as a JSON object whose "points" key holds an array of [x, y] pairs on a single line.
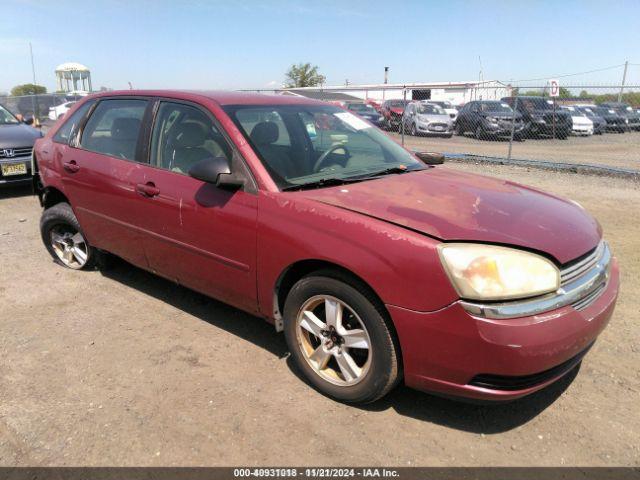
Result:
{"points": [[378, 267]]}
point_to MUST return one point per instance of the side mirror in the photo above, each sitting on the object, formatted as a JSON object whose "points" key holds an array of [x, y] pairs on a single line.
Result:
{"points": [[216, 171], [431, 158]]}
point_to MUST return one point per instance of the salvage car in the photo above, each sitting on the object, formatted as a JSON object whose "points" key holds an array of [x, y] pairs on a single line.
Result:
{"points": [[599, 123], [580, 123], [614, 121], [392, 111], [368, 112], [16, 144], [632, 118], [425, 118], [490, 119], [447, 107], [379, 267], [542, 117]]}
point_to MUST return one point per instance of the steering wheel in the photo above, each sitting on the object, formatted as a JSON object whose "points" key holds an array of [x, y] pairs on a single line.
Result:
{"points": [[330, 150]]}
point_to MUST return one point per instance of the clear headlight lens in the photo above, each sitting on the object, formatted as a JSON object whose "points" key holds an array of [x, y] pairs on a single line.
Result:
{"points": [[487, 272]]}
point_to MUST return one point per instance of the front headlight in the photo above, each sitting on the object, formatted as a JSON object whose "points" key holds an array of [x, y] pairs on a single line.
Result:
{"points": [[487, 272]]}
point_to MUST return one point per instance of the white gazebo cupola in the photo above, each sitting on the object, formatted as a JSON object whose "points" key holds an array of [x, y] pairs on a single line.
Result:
{"points": [[73, 77]]}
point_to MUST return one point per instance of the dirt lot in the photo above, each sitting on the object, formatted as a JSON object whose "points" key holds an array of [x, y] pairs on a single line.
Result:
{"points": [[611, 149], [123, 368]]}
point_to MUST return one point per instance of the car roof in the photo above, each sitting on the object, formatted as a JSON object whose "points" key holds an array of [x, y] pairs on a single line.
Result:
{"points": [[220, 97]]}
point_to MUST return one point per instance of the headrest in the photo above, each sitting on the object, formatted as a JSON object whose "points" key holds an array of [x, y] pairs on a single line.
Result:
{"points": [[265, 133], [125, 128], [190, 135]]}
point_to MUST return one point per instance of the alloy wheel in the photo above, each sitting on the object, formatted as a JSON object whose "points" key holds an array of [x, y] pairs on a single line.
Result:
{"points": [[333, 340], [70, 246]]}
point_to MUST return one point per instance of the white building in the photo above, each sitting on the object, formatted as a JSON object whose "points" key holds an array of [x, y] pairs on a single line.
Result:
{"points": [[73, 77], [458, 93]]}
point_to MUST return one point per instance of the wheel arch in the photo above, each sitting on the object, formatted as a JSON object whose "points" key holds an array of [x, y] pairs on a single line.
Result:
{"points": [[52, 196], [294, 272]]}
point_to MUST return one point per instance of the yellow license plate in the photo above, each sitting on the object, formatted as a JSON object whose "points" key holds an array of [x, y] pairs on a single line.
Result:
{"points": [[9, 169]]}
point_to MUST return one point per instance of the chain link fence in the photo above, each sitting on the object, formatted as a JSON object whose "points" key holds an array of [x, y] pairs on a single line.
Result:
{"points": [[42, 108], [583, 125]]}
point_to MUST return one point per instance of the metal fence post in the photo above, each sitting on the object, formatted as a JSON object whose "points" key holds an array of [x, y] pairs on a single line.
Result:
{"points": [[513, 124], [404, 98]]}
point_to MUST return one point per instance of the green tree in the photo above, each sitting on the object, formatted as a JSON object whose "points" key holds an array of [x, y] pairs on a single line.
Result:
{"points": [[304, 75], [28, 89]]}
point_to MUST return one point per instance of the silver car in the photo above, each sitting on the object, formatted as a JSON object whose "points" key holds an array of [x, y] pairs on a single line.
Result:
{"points": [[422, 118]]}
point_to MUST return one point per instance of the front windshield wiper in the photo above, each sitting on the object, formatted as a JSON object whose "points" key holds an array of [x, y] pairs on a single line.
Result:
{"points": [[323, 182], [390, 171]]}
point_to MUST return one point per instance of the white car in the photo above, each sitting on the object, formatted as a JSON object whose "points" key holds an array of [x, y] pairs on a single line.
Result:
{"points": [[59, 110], [582, 125]]}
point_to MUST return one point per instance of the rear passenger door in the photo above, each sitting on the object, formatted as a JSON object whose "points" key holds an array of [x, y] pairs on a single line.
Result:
{"points": [[197, 234], [101, 171]]}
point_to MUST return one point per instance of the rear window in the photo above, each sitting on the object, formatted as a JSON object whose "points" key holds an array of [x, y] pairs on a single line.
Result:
{"points": [[113, 128]]}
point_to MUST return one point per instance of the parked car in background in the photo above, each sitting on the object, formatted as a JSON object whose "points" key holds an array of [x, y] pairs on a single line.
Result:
{"points": [[631, 117], [599, 123], [615, 122], [378, 267], [451, 110], [16, 145], [426, 118], [367, 112], [489, 119], [59, 110], [392, 111], [580, 123], [541, 116]]}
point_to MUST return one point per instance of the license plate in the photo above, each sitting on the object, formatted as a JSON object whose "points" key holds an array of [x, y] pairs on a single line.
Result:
{"points": [[439, 128], [9, 169]]}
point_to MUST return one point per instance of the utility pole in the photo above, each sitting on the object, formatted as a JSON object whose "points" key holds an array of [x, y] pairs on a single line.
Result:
{"points": [[34, 99], [624, 79]]}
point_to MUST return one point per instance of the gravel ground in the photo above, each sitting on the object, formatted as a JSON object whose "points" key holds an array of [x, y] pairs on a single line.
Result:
{"points": [[611, 149], [124, 368]]}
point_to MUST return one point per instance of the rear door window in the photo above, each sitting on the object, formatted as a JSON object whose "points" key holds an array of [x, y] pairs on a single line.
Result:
{"points": [[114, 127]]}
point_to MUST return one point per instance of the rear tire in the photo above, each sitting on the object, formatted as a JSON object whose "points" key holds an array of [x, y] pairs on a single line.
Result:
{"points": [[372, 368], [64, 240]]}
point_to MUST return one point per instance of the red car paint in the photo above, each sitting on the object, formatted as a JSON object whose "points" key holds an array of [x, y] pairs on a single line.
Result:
{"points": [[236, 245]]}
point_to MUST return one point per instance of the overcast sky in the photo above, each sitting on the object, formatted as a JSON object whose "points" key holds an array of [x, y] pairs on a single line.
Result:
{"points": [[245, 43]]}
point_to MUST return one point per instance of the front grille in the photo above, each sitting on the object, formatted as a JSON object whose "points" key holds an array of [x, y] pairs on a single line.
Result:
{"points": [[437, 125], [582, 265], [505, 382], [17, 152]]}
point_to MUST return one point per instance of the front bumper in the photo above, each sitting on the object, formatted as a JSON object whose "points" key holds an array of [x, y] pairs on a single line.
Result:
{"points": [[448, 350], [434, 128], [16, 179]]}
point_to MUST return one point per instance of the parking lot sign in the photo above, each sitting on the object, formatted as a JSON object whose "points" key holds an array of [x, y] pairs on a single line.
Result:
{"points": [[554, 88]]}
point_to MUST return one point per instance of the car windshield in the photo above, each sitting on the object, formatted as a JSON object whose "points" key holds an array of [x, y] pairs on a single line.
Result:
{"points": [[495, 107], [6, 117], [430, 109], [310, 144], [362, 108]]}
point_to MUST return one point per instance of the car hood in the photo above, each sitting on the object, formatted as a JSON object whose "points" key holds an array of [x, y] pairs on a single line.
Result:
{"points": [[21, 135], [455, 206]]}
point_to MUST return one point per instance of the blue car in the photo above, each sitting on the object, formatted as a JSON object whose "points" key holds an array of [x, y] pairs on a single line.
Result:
{"points": [[367, 112]]}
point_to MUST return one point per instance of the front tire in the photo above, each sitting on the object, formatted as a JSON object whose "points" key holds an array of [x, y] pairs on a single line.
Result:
{"points": [[64, 240], [340, 338], [412, 131]]}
